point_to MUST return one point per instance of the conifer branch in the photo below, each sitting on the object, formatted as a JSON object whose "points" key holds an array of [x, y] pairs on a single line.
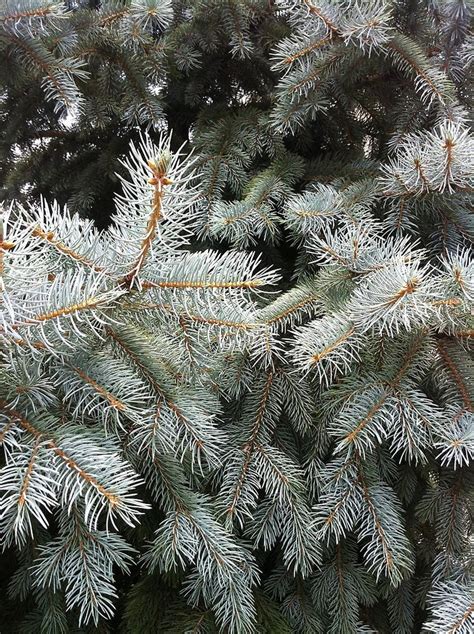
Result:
{"points": [[88, 304], [159, 180], [114, 402], [320, 14], [456, 374], [115, 497], [250, 446], [70, 463], [27, 476], [387, 551], [49, 237], [409, 56], [58, 82]]}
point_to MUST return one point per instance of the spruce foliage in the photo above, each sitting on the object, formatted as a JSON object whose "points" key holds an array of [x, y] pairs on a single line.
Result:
{"points": [[247, 404]]}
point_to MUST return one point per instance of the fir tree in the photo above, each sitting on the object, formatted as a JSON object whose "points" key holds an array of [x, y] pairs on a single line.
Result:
{"points": [[213, 445]]}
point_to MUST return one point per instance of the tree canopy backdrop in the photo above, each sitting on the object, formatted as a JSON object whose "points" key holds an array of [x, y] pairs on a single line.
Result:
{"points": [[245, 405]]}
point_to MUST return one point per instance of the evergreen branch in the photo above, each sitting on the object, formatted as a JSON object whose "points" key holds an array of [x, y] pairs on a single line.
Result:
{"points": [[88, 304], [28, 473], [388, 554], [31, 15], [367, 25], [193, 432], [49, 237], [145, 100], [466, 616], [208, 270], [388, 548], [452, 610], [105, 394], [428, 80], [397, 296], [109, 18], [339, 500], [307, 80], [76, 297], [456, 374], [250, 447], [158, 180], [27, 495], [298, 400], [455, 504], [311, 211], [316, 358], [294, 56], [373, 412], [374, 407], [341, 587], [112, 499], [35, 12], [291, 307], [288, 513], [135, 350], [329, 346], [455, 442], [223, 569], [287, 313], [413, 349], [418, 417], [91, 555], [319, 12], [116, 495], [58, 82]]}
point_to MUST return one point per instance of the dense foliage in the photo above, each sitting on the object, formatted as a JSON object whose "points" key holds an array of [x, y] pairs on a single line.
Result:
{"points": [[246, 404]]}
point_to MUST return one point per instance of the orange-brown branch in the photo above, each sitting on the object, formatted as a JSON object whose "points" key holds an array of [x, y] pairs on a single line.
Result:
{"points": [[108, 396], [5, 245], [451, 301], [389, 559], [320, 355], [67, 310], [190, 284], [249, 446], [409, 288], [48, 236], [370, 414], [304, 51], [113, 17], [456, 374], [72, 464], [448, 146], [5, 430], [392, 384], [457, 626], [41, 12], [29, 471], [421, 173], [159, 180], [294, 308], [328, 23]]}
